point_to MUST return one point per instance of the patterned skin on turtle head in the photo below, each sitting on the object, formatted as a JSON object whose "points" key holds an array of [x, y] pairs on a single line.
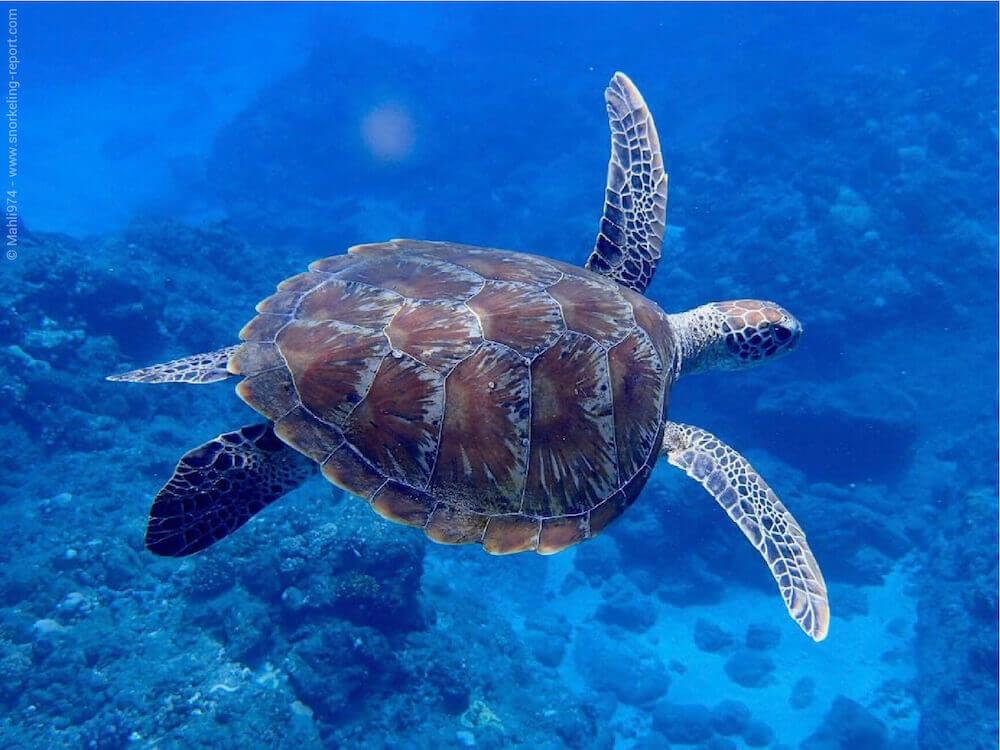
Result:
{"points": [[756, 331], [733, 335]]}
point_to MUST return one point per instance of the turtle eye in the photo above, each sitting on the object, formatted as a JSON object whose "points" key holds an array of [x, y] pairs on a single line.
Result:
{"points": [[782, 333]]}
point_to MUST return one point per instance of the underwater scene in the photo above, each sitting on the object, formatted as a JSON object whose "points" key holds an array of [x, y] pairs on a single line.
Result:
{"points": [[800, 552]]}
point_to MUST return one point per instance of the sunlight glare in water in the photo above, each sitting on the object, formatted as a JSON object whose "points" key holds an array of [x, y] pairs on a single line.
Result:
{"points": [[388, 132]]}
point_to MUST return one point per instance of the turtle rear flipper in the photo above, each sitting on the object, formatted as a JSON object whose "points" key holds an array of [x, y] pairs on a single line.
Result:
{"points": [[198, 368], [219, 486], [754, 507]]}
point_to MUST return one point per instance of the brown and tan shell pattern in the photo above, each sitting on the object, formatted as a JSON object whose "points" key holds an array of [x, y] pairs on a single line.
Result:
{"points": [[482, 395]]}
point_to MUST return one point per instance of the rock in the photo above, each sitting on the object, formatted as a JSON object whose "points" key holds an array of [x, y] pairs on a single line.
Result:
{"points": [[357, 568], [719, 743], [957, 655], [335, 664], [293, 599], [444, 678], [645, 579], [847, 726], [626, 607], [851, 602], [212, 575], [15, 670], [850, 209], [762, 637], [110, 730], [730, 717], [596, 561], [758, 734], [247, 630], [710, 637], [547, 636], [684, 724], [633, 673], [652, 741], [803, 693], [117, 565], [749, 668], [46, 629], [74, 607]]}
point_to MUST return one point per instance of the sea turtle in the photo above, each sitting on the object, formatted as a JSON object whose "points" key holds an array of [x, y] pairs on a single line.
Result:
{"points": [[485, 395]]}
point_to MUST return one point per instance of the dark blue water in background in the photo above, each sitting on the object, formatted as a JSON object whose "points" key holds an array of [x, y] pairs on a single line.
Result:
{"points": [[175, 162]]}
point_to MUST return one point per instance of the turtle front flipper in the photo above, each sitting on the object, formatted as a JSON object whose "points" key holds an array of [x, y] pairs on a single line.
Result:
{"points": [[635, 200], [752, 504], [219, 486], [198, 368]]}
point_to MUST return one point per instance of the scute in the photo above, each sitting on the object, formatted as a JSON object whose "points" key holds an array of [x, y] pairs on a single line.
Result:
{"points": [[255, 357], [483, 449], [523, 317], [397, 423], [483, 395], [270, 392], [401, 503], [304, 432], [637, 381], [350, 303], [350, 471], [437, 334], [415, 277], [506, 535], [333, 365], [331, 265], [502, 265], [593, 309], [450, 525], [653, 321], [265, 327], [280, 303], [561, 532], [608, 511], [303, 282], [487, 262], [572, 464]]}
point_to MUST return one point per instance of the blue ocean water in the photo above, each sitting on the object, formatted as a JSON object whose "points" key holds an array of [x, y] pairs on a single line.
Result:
{"points": [[172, 163]]}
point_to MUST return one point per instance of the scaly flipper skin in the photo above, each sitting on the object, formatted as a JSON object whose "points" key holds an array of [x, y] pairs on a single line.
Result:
{"points": [[198, 368], [751, 503], [219, 486], [635, 200]]}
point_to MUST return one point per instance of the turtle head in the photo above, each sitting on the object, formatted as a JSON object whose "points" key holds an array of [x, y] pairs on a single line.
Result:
{"points": [[755, 332], [734, 335]]}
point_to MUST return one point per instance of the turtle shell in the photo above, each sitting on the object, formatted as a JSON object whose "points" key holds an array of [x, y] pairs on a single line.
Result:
{"points": [[483, 395]]}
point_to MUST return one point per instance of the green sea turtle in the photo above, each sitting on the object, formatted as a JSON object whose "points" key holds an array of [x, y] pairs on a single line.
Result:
{"points": [[485, 395]]}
